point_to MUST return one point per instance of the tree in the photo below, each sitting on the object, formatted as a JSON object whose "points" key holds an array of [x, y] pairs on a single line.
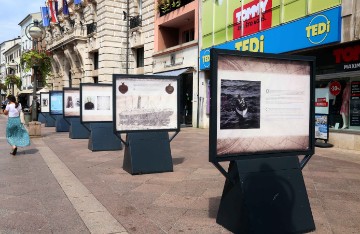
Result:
{"points": [[39, 59], [14, 80]]}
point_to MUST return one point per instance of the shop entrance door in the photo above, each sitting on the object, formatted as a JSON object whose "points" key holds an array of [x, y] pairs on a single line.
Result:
{"points": [[186, 95]]}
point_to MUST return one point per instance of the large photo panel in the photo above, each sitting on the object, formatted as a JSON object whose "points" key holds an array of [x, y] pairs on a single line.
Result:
{"points": [[71, 102], [261, 105], [44, 102], [56, 102], [96, 103], [146, 103]]}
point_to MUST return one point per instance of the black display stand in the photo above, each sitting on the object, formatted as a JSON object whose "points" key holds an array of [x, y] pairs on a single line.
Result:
{"points": [[77, 129], [42, 117], [61, 124], [265, 195], [103, 138], [50, 120], [147, 152]]}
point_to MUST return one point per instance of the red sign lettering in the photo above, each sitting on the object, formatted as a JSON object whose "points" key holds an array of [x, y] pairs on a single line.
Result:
{"points": [[347, 54], [247, 18]]}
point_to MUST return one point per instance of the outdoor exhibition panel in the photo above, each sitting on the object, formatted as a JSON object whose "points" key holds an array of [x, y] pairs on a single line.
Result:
{"points": [[56, 102], [261, 120], [262, 105], [146, 103], [146, 108], [44, 102], [56, 109], [96, 114], [71, 114], [96, 103], [44, 116], [71, 102]]}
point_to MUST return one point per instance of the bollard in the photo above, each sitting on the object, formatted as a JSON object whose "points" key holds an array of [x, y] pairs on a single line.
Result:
{"points": [[35, 129]]}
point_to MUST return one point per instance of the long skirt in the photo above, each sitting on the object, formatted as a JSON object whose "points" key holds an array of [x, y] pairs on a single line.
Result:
{"points": [[16, 133]]}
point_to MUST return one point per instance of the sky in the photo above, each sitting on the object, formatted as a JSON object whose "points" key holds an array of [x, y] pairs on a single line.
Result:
{"points": [[12, 12]]}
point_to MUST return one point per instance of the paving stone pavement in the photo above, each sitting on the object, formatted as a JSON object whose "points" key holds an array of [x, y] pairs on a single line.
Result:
{"points": [[34, 200]]}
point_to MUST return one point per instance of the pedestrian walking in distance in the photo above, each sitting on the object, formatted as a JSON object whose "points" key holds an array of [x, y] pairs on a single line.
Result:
{"points": [[16, 134]]}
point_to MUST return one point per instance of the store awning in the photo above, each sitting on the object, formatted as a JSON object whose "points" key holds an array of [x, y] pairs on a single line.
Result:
{"points": [[43, 90], [173, 72], [26, 91]]}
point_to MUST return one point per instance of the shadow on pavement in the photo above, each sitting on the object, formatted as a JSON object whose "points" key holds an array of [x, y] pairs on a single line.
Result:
{"points": [[177, 161], [214, 203]]}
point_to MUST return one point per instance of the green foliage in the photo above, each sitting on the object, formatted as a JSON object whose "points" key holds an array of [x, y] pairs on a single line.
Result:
{"points": [[3, 87], [39, 59], [13, 79]]}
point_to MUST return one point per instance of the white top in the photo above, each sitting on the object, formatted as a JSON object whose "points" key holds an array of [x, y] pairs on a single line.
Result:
{"points": [[13, 112]]}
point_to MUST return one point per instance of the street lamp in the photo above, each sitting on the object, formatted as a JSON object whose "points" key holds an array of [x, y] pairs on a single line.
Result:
{"points": [[35, 33]]}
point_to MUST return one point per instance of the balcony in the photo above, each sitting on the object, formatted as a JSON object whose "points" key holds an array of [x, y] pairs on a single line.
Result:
{"points": [[91, 28], [135, 21]]}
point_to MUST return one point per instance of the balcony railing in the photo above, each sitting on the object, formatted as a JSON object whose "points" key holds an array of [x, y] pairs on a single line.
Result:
{"points": [[91, 28], [135, 21]]}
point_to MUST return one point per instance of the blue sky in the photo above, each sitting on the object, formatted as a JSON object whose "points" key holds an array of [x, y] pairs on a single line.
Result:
{"points": [[12, 12]]}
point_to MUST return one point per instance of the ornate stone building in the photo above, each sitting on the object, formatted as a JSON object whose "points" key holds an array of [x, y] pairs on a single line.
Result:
{"points": [[95, 41]]}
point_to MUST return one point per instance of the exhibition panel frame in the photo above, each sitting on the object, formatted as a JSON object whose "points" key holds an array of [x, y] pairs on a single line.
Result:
{"points": [[96, 103], [56, 102], [145, 103], [262, 105], [44, 102], [71, 102]]}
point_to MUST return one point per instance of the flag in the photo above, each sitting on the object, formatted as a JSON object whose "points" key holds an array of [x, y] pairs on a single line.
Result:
{"points": [[45, 16], [77, 2], [65, 8], [56, 7], [53, 14]]}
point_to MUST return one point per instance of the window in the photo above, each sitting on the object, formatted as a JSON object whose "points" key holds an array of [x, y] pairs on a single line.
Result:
{"points": [[96, 79], [70, 79], [140, 57], [96, 60], [188, 35]]}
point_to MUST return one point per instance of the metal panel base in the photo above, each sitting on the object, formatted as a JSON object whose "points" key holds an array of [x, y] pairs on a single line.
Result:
{"points": [[77, 129], [42, 117], [61, 124], [147, 153], [265, 196], [102, 137], [50, 120]]}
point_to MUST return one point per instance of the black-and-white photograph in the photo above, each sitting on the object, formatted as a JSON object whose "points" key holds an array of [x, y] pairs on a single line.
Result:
{"points": [[103, 103], [71, 98], [144, 104], [240, 104], [89, 103], [96, 102], [69, 102], [45, 102]]}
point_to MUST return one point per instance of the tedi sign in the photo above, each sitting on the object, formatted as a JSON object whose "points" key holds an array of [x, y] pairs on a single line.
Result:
{"points": [[318, 29]]}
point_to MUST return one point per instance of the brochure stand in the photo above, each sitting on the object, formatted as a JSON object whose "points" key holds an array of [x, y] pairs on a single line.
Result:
{"points": [[77, 129], [42, 117], [50, 121], [102, 137], [147, 152], [265, 195], [61, 124]]}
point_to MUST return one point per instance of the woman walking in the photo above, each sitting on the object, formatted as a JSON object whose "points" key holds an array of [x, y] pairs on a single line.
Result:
{"points": [[16, 134]]}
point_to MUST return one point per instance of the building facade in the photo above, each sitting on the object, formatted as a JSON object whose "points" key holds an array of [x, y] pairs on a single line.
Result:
{"points": [[27, 44], [10, 63], [328, 30]]}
